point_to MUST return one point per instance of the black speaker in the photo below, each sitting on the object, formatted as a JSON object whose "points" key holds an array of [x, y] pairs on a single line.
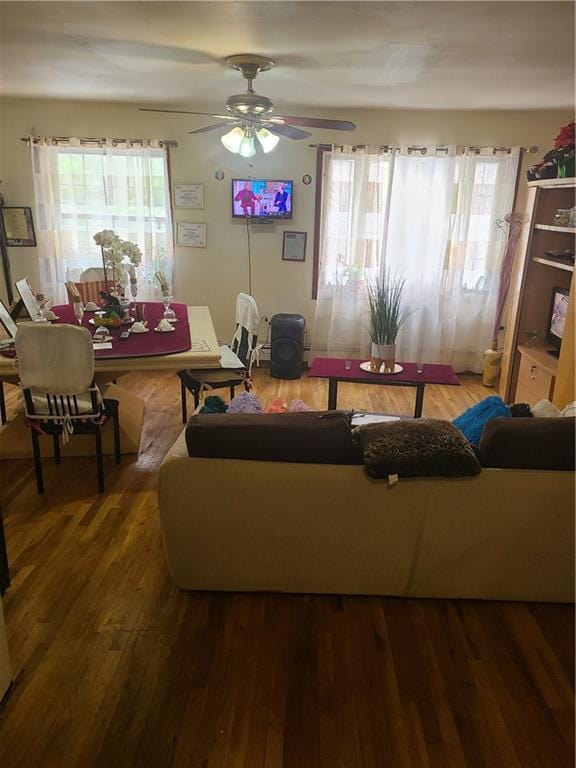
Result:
{"points": [[287, 346]]}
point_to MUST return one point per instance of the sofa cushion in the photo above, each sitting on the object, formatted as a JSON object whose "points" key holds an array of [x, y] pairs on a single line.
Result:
{"points": [[309, 437], [418, 447], [529, 443], [471, 422]]}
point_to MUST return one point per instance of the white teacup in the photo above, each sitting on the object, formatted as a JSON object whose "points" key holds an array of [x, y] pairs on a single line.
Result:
{"points": [[138, 327], [164, 325], [91, 306]]}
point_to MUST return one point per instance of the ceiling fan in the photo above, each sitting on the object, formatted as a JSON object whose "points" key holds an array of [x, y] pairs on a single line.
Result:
{"points": [[250, 116]]}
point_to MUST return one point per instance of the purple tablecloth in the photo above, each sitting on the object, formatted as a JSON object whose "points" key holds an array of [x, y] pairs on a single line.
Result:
{"points": [[333, 367], [149, 344]]}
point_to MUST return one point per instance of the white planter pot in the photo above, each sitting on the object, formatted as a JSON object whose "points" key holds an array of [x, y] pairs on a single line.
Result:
{"points": [[383, 355]]}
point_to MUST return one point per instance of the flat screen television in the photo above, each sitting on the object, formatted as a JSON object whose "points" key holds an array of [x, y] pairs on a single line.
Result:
{"points": [[262, 198], [557, 318]]}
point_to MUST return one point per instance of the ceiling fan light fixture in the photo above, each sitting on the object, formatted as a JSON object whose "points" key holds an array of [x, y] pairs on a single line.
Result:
{"points": [[247, 146], [233, 139], [267, 140]]}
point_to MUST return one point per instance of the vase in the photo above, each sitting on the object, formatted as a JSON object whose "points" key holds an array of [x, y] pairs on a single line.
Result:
{"points": [[383, 355]]}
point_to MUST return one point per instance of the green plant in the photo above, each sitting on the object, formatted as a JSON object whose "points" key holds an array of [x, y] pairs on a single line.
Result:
{"points": [[385, 306]]}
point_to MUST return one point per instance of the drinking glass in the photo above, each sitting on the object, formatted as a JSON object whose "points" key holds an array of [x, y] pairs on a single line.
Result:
{"points": [[347, 364], [419, 367], [101, 333], [169, 313]]}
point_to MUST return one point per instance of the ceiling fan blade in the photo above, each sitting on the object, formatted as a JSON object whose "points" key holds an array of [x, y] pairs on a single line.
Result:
{"points": [[186, 112], [288, 131], [316, 122], [212, 127]]}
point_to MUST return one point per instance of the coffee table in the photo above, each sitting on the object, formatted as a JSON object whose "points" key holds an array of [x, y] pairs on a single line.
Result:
{"points": [[333, 369]]}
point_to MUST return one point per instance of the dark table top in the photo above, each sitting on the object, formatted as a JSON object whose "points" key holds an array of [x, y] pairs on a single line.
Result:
{"points": [[333, 368]]}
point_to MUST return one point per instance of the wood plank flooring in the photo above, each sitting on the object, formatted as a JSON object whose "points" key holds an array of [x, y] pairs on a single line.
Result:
{"points": [[115, 666]]}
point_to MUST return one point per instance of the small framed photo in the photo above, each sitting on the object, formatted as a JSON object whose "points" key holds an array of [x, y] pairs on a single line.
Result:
{"points": [[188, 196], [294, 246], [190, 235], [18, 226]]}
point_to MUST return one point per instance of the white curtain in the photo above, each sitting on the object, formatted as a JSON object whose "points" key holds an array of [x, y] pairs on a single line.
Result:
{"points": [[355, 208], [437, 229], [81, 189]]}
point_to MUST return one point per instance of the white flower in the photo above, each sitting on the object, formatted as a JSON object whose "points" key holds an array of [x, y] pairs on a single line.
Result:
{"points": [[107, 238], [132, 251]]}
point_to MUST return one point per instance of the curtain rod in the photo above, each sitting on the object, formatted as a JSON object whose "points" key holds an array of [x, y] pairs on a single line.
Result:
{"points": [[98, 141], [460, 148]]}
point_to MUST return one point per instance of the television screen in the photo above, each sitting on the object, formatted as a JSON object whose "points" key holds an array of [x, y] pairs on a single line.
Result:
{"points": [[558, 312], [262, 198]]}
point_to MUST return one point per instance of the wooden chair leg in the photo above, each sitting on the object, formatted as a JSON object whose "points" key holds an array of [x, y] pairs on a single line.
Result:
{"points": [[196, 395], [183, 397], [116, 425], [99, 459], [37, 460], [3, 418], [231, 393], [56, 443]]}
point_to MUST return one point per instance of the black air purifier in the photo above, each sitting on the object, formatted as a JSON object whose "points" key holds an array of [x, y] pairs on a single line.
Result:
{"points": [[287, 346]]}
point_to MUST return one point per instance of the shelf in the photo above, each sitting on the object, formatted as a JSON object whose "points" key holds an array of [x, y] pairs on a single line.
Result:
{"points": [[554, 183], [540, 357], [552, 263], [552, 228]]}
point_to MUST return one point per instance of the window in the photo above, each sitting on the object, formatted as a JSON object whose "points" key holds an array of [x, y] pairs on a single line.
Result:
{"points": [[356, 193], [359, 197], [82, 190]]}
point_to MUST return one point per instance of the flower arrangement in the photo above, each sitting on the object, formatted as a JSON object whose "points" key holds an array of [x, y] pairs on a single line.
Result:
{"points": [[559, 162], [114, 251]]}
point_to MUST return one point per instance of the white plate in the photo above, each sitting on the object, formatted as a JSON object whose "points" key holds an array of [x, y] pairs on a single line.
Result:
{"points": [[139, 333], [159, 330], [366, 367], [102, 339]]}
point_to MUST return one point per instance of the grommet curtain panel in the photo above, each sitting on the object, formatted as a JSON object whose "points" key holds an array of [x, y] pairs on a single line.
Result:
{"points": [[82, 187], [430, 215]]}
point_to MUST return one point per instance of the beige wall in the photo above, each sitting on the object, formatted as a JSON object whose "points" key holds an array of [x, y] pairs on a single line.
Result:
{"points": [[215, 274]]}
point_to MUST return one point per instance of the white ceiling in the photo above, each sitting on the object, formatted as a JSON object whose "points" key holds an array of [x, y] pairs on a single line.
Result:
{"points": [[443, 55]]}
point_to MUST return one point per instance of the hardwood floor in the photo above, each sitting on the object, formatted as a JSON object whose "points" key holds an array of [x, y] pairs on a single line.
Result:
{"points": [[115, 666]]}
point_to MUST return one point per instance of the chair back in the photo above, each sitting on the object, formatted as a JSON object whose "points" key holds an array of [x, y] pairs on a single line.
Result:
{"points": [[92, 274], [245, 336], [89, 291], [56, 359]]}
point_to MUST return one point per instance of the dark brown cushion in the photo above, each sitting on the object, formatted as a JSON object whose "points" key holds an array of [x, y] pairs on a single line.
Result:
{"points": [[419, 447], [306, 437], [529, 443]]}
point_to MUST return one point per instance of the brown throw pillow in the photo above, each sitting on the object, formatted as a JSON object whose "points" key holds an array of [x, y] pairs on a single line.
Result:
{"points": [[416, 448]]}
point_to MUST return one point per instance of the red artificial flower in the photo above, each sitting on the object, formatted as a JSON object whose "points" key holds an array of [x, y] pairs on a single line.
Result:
{"points": [[566, 136]]}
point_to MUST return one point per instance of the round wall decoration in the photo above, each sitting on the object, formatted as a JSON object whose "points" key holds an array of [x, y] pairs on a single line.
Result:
{"points": [[307, 179], [219, 175]]}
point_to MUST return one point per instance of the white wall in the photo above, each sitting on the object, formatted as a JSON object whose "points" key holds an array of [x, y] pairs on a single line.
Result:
{"points": [[214, 275]]}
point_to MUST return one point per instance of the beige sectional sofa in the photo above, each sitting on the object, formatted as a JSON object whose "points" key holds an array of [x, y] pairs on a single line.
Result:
{"points": [[239, 525]]}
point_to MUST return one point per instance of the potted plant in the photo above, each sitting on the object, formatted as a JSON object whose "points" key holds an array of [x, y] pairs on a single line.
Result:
{"points": [[114, 251], [386, 319]]}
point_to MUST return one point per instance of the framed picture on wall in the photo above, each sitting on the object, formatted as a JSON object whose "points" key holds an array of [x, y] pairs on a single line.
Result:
{"points": [[188, 195], [190, 235], [18, 226], [294, 246]]}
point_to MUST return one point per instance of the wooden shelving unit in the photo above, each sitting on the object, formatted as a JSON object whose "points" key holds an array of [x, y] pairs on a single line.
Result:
{"points": [[554, 228], [530, 373], [553, 263]]}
